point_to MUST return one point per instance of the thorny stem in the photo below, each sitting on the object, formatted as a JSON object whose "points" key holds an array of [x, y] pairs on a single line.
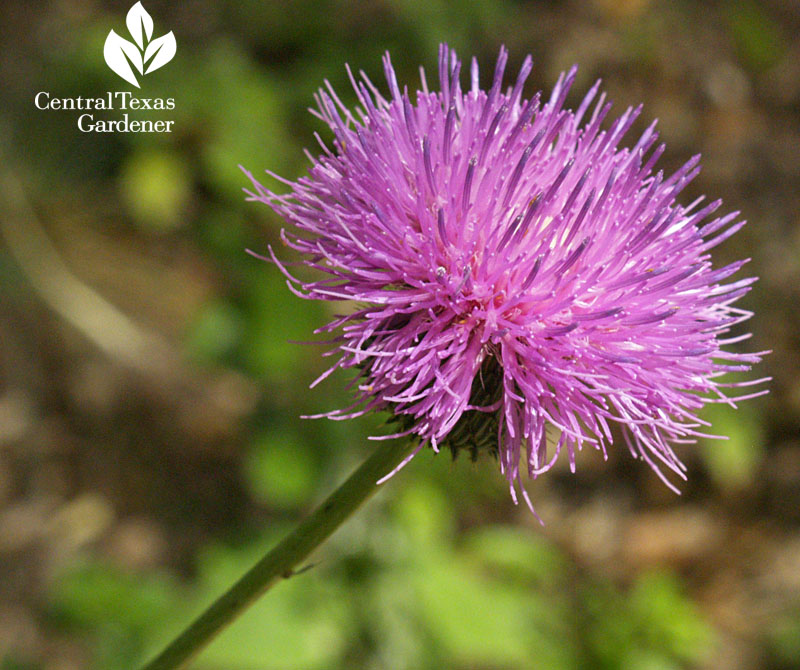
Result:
{"points": [[280, 562]]}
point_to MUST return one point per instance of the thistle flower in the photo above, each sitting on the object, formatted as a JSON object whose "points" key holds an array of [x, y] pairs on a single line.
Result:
{"points": [[516, 268]]}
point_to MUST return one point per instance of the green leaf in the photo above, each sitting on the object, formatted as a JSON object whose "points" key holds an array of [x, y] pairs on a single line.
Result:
{"points": [[278, 468], [303, 624], [155, 185], [733, 462], [276, 317], [517, 553], [215, 331], [758, 38]]}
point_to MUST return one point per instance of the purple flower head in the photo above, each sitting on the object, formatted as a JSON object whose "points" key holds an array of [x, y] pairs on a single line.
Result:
{"points": [[515, 268]]}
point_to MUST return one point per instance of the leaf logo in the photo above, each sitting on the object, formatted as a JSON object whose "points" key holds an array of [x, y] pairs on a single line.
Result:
{"points": [[146, 55]]}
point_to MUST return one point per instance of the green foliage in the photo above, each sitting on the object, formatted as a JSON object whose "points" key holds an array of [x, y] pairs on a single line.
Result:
{"points": [[757, 36], [784, 638], [120, 609], [7, 662], [215, 332], [155, 187], [277, 323], [242, 115], [654, 626], [733, 462], [422, 597], [279, 467], [303, 624]]}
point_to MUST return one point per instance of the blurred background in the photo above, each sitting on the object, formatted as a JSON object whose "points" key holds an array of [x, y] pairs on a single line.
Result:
{"points": [[150, 440]]}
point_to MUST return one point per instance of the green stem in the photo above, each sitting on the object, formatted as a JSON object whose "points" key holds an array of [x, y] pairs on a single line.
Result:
{"points": [[282, 559]]}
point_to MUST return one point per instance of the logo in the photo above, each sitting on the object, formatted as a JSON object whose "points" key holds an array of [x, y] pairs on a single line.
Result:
{"points": [[122, 111], [144, 55]]}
